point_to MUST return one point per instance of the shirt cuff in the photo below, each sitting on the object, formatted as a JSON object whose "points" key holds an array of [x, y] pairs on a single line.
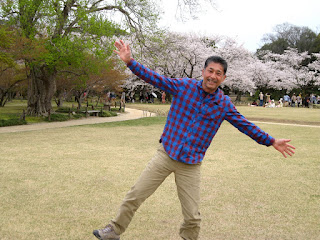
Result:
{"points": [[130, 63], [271, 142]]}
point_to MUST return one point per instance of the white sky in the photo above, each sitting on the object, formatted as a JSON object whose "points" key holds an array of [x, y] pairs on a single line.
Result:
{"points": [[246, 20]]}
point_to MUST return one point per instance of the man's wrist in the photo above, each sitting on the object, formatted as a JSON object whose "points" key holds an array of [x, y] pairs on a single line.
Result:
{"points": [[129, 62]]}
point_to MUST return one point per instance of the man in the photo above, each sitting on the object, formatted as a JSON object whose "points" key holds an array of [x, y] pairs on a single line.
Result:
{"points": [[286, 100], [261, 99], [197, 111], [293, 100]]}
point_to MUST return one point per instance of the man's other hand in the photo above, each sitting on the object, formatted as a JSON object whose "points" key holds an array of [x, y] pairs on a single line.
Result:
{"points": [[124, 51], [284, 147]]}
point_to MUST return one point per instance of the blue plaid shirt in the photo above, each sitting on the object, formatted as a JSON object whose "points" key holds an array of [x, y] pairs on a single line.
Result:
{"points": [[195, 116]]}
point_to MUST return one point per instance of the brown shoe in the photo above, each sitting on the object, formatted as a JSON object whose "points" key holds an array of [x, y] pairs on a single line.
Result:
{"points": [[106, 233]]}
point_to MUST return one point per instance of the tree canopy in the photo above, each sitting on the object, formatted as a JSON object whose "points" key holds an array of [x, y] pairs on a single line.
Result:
{"points": [[60, 34], [286, 36]]}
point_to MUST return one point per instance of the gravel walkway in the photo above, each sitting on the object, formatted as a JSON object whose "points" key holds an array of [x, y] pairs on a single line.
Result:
{"points": [[128, 115]]}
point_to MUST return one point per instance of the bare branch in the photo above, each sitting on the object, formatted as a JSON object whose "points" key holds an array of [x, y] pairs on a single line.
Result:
{"points": [[62, 19]]}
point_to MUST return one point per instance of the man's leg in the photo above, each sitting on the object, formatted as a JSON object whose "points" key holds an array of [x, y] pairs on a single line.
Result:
{"points": [[151, 178], [188, 186]]}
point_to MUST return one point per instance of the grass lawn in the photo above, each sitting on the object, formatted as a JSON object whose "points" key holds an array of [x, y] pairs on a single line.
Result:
{"points": [[63, 183], [286, 114]]}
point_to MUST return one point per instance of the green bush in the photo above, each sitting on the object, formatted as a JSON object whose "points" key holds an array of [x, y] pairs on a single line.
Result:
{"points": [[116, 109], [107, 114], [77, 116], [56, 117], [12, 122]]}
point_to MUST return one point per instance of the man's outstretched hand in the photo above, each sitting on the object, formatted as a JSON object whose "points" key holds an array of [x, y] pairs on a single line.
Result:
{"points": [[284, 147], [124, 51]]}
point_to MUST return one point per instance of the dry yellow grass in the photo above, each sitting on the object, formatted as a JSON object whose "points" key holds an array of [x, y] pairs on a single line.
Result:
{"points": [[63, 183]]}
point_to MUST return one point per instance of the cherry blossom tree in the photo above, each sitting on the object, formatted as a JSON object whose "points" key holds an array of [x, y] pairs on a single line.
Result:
{"points": [[179, 55], [291, 72], [240, 63], [315, 68], [262, 73]]}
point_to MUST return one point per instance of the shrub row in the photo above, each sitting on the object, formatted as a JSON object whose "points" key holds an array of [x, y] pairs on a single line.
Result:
{"points": [[58, 116], [12, 122]]}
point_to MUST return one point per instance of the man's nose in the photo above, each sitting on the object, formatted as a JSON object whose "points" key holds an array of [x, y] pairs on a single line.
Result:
{"points": [[213, 75]]}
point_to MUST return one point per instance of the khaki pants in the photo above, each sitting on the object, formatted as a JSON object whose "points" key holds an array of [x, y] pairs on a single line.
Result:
{"points": [[187, 178]]}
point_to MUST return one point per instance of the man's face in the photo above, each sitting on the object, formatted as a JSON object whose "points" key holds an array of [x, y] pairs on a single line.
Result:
{"points": [[213, 75]]}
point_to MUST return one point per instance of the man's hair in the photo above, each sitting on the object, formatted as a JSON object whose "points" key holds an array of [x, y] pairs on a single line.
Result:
{"points": [[217, 59]]}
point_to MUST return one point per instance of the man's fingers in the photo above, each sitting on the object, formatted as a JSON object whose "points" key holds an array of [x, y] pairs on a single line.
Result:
{"points": [[283, 146], [291, 151], [288, 152], [119, 45], [122, 46], [290, 146]]}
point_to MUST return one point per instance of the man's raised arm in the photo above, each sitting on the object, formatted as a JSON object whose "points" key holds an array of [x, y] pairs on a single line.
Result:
{"points": [[162, 82]]}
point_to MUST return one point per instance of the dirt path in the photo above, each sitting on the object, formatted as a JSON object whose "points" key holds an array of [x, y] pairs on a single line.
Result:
{"points": [[128, 115], [287, 124]]}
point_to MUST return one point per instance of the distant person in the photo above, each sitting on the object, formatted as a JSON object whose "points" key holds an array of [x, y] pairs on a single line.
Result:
{"points": [[299, 100], [254, 103], [261, 99], [293, 100], [286, 100], [112, 98], [313, 99], [280, 103], [198, 108], [271, 104], [268, 98], [306, 101], [163, 97]]}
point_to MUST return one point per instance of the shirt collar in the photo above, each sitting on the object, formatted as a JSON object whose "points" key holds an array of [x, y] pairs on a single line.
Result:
{"points": [[216, 97]]}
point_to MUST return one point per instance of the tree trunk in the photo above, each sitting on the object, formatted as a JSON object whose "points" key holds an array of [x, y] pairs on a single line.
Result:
{"points": [[2, 98], [41, 88], [238, 98], [78, 100]]}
